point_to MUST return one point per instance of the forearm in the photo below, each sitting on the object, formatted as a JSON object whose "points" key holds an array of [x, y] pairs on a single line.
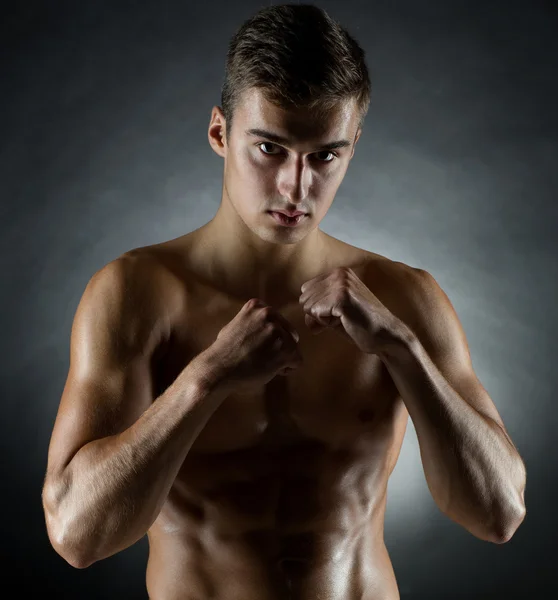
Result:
{"points": [[472, 468], [113, 488]]}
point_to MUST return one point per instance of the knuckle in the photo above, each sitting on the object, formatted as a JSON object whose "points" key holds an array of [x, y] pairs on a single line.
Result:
{"points": [[250, 305]]}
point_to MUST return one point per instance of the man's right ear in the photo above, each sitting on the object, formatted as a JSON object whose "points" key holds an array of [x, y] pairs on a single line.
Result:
{"points": [[216, 133]]}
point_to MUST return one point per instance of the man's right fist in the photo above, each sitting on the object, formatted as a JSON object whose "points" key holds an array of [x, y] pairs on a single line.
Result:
{"points": [[258, 344]]}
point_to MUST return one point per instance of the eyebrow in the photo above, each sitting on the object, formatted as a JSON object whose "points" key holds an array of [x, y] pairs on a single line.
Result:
{"points": [[279, 139]]}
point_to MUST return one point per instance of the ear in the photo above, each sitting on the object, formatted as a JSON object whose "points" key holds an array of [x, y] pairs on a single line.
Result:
{"points": [[355, 142], [216, 133]]}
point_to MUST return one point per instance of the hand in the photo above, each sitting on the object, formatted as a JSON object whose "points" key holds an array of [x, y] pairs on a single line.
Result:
{"points": [[341, 301], [258, 344]]}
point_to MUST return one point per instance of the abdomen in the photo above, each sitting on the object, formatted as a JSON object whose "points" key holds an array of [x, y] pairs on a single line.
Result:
{"points": [[254, 522]]}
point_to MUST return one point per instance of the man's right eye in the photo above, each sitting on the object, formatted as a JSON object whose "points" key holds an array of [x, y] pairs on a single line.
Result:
{"points": [[264, 144]]}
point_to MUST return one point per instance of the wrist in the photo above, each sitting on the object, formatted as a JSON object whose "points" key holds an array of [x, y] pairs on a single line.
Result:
{"points": [[209, 373], [398, 340]]}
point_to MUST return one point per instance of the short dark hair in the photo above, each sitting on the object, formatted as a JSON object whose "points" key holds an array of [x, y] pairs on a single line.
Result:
{"points": [[298, 56]]}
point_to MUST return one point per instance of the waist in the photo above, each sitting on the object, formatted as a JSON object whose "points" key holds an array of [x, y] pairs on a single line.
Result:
{"points": [[268, 566]]}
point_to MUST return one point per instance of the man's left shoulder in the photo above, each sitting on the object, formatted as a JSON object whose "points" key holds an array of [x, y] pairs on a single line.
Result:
{"points": [[404, 289], [395, 275]]}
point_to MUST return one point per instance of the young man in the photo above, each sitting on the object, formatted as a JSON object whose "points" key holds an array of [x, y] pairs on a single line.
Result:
{"points": [[201, 409]]}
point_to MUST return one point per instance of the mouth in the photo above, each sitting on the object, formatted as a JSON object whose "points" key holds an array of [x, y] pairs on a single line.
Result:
{"points": [[295, 213], [284, 219]]}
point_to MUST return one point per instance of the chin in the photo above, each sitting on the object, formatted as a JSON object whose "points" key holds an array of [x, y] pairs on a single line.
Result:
{"points": [[279, 235]]}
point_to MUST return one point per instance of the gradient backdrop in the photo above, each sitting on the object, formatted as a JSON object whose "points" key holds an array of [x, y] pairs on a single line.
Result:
{"points": [[103, 139]]}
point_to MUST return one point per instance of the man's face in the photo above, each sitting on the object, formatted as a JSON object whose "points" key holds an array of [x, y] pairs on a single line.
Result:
{"points": [[300, 172]]}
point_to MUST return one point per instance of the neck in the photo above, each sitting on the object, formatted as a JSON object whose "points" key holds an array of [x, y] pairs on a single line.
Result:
{"points": [[249, 265]]}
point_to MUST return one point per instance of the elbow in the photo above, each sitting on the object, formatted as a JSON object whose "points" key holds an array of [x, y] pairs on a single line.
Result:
{"points": [[508, 526], [66, 548], [511, 517], [496, 527], [73, 553], [74, 559], [58, 529], [79, 564]]}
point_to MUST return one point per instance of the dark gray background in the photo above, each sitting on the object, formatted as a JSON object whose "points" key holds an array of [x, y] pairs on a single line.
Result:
{"points": [[104, 115]]}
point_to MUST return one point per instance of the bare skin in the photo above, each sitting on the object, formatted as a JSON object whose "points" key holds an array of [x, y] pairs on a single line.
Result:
{"points": [[284, 489], [273, 494]]}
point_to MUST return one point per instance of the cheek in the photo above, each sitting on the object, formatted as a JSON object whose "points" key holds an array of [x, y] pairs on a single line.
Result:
{"points": [[256, 176], [250, 162], [250, 186]]}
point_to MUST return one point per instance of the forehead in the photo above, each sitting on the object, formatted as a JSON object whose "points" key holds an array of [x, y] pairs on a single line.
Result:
{"points": [[254, 111]]}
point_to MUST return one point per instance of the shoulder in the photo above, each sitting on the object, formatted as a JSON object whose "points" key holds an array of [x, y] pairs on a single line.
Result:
{"points": [[140, 289], [419, 291], [391, 275], [162, 268], [378, 270], [415, 297], [390, 280], [407, 291]]}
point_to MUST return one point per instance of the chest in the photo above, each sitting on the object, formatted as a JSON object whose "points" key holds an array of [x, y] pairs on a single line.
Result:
{"points": [[339, 396]]}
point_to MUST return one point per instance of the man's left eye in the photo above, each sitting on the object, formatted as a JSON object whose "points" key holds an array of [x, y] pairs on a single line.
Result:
{"points": [[333, 155]]}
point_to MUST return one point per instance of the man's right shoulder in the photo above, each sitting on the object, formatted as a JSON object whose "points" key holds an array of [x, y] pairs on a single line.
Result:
{"points": [[145, 288], [133, 269]]}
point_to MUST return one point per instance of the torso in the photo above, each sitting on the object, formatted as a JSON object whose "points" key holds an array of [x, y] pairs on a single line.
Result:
{"points": [[283, 493]]}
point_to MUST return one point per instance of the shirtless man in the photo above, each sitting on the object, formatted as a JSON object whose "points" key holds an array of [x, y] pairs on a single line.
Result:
{"points": [[241, 393]]}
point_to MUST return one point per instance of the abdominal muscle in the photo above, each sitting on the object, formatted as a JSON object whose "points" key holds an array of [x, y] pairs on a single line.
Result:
{"points": [[198, 562]]}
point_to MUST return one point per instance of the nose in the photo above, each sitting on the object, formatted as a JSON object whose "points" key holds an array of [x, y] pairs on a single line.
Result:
{"points": [[294, 180]]}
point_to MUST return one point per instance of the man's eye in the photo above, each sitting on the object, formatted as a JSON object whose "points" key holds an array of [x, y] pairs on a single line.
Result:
{"points": [[333, 155], [266, 144]]}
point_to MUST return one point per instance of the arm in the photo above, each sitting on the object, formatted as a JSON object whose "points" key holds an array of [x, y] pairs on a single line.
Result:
{"points": [[114, 452], [473, 470]]}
